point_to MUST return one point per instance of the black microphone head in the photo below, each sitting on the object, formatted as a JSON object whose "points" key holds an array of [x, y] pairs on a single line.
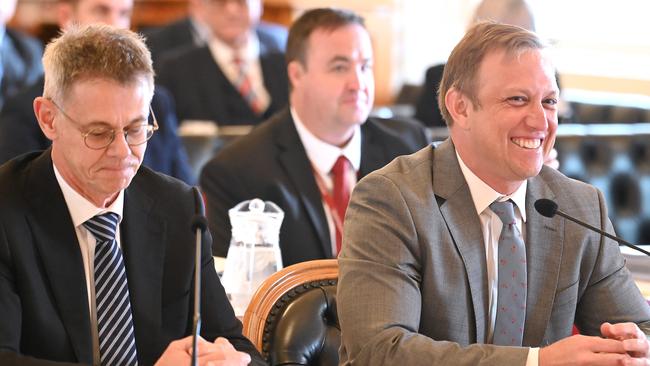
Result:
{"points": [[199, 222], [546, 207]]}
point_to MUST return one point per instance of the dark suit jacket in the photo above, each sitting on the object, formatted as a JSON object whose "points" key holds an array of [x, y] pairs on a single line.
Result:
{"points": [[203, 92], [271, 163], [20, 55], [43, 307], [180, 34], [20, 133]]}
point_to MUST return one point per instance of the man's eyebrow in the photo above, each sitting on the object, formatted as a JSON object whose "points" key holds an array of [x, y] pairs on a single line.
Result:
{"points": [[100, 123], [339, 58]]}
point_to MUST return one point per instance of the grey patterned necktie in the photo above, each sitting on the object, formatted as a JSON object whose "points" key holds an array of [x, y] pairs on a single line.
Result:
{"points": [[511, 298], [114, 318]]}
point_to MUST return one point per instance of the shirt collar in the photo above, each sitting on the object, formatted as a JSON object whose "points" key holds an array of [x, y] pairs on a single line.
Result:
{"points": [[483, 195], [226, 54], [81, 210], [322, 155]]}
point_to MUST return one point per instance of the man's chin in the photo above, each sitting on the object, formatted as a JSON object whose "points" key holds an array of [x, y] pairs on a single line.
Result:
{"points": [[357, 117]]}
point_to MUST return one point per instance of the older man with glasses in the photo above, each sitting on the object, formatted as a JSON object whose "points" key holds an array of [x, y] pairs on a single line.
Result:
{"points": [[96, 258]]}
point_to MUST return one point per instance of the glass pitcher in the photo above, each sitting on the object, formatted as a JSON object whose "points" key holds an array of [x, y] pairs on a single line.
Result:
{"points": [[254, 252]]}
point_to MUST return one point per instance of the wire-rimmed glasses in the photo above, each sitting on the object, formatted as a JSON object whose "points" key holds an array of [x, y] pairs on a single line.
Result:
{"points": [[97, 138]]}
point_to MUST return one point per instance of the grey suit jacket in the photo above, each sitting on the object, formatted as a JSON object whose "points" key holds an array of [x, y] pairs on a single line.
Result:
{"points": [[413, 281]]}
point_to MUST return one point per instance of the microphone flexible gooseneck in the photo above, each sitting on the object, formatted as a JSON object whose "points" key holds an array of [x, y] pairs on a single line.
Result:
{"points": [[199, 225], [549, 208]]}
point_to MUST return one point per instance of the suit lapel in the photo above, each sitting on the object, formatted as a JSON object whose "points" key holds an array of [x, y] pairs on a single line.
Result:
{"points": [[56, 242], [464, 226], [296, 165], [142, 234], [544, 246]]}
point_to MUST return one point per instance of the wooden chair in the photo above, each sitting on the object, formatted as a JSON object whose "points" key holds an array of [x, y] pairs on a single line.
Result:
{"points": [[292, 318]]}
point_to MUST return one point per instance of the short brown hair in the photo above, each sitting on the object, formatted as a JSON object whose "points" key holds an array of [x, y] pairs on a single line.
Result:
{"points": [[95, 51], [321, 18], [461, 70]]}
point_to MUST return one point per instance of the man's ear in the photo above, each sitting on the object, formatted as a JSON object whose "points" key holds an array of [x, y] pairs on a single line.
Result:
{"points": [[44, 110], [295, 71], [458, 106]]}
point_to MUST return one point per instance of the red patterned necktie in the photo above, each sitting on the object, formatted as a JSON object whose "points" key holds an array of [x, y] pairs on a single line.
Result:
{"points": [[511, 298], [245, 87], [341, 192]]}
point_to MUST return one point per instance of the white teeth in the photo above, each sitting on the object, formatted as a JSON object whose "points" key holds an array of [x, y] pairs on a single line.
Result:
{"points": [[527, 143]]}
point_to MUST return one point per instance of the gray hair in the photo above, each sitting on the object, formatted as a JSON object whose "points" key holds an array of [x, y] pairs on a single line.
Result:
{"points": [[95, 51]]}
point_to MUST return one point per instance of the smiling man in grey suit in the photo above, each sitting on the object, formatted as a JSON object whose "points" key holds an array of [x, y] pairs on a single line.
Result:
{"points": [[421, 272]]}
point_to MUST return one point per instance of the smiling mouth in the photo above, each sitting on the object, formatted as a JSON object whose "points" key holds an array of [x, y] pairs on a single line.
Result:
{"points": [[527, 143]]}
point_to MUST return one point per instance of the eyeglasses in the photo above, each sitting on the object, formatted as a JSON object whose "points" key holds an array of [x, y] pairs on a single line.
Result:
{"points": [[98, 138]]}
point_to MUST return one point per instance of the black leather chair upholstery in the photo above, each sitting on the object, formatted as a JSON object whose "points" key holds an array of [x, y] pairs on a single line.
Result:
{"points": [[616, 159], [303, 329], [292, 318], [602, 113]]}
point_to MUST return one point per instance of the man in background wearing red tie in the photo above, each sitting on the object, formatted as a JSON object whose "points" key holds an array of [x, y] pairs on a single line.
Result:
{"points": [[308, 157], [238, 77]]}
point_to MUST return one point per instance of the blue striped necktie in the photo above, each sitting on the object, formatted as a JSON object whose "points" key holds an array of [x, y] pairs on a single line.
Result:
{"points": [[511, 294], [114, 318]]}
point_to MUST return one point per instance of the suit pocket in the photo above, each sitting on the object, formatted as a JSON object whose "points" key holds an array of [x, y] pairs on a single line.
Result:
{"points": [[560, 324], [566, 295]]}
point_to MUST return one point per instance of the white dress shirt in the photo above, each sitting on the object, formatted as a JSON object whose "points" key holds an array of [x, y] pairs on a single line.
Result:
{"points": [[483, 195], [224, 56], [81, 210], [323, 156]]}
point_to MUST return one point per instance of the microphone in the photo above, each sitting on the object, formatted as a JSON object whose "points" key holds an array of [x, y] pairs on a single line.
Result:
{"points": [[199, 225], [549, 208]]}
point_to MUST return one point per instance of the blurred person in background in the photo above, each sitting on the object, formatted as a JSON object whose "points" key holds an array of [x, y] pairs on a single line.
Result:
{"points": [[19, 131], [194, 30], [238, 78], [20, 55]]}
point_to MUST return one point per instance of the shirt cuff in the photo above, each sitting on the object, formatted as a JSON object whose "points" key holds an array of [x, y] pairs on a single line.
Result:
{"points": [[533, 357]]}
